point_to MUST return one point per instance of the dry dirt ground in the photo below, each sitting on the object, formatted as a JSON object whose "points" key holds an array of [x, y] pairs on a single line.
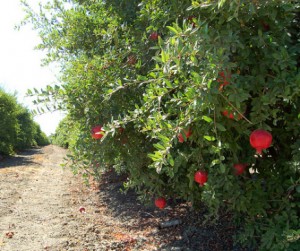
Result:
{"points": [[40, 202]]}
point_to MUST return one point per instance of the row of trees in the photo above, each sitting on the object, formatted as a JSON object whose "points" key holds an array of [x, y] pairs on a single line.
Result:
{"points": [[18, 130], [65, 134], [178, 86]]}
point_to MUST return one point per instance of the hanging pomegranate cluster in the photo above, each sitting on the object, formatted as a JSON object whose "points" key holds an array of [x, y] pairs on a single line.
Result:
{"points": [[223, 79], [232, 115]]}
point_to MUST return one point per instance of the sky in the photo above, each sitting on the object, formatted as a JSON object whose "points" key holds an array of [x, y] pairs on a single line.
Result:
{"points": [[20, 63]]}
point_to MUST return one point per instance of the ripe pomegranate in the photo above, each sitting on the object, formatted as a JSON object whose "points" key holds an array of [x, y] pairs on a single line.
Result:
{"points": [[239, 168], [200, 177], [223, 79], [260, 139], [153, 36], [227, 114], [97, 132], [187, 132], [160, 202]]}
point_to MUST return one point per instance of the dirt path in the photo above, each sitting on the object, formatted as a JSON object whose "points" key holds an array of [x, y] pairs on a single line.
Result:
{"points": [[39, 210], [35, 201]]}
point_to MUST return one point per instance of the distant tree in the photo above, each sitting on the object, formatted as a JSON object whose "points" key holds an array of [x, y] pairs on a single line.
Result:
{"points": [[65, 134], [8, 123], [18, 131], [40, 137], [26, 128]]}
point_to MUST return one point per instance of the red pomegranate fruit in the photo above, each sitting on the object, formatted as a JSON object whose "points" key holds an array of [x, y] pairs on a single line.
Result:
{"points": [[232, 115], [82, 210], [153, 36], [227, 114], [239, 168], [187, 132], [224, 79], [160, 203], [201, 177], [97, 132], [260, 140]]}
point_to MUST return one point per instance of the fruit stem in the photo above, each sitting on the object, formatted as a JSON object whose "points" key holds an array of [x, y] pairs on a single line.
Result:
{"points": [[259, 151]]}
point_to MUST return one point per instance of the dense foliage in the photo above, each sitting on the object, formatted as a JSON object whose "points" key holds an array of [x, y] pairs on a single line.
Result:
{"points": [[65, 134], [178, 87], [18, 130]]}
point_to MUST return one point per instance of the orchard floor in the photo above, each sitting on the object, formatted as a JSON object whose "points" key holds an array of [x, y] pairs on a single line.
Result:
{"points": [[39, 210]]}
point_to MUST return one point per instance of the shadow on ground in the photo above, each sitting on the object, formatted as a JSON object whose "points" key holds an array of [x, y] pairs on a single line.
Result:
{"points": [[192, 234], [21, 159]]}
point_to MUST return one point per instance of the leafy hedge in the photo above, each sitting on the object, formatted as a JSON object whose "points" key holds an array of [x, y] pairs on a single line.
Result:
{"points": [[179, 86], [65, 134], [18, 130]]}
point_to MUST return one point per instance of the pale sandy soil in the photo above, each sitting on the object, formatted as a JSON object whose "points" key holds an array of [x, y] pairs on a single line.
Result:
{"points": [[39, 210]]}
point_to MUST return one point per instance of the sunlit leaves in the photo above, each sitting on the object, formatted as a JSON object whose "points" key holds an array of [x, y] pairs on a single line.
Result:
{"points": [[176, 84]]}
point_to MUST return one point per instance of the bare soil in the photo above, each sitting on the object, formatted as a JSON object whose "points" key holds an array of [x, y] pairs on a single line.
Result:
{"points": [[45, 207]]}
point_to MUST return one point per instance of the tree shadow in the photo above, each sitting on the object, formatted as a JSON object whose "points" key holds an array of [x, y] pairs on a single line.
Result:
{"points": [[20, 159], [191, 234]]}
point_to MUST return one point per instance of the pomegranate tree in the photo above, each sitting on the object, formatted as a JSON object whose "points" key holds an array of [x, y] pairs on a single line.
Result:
{"points": [[229, 62]]}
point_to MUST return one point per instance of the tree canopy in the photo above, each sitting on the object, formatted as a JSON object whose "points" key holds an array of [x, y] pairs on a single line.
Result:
{"points": [[176, 88], [18, 130]]}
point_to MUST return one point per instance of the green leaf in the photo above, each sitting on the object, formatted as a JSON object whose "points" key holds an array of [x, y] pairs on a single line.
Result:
{"points": [[172, 29], [163, 138], [171, 160], [164, 56], [159, 146], [220, 127], [207, 119], [222, 168], [210, 138]]}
